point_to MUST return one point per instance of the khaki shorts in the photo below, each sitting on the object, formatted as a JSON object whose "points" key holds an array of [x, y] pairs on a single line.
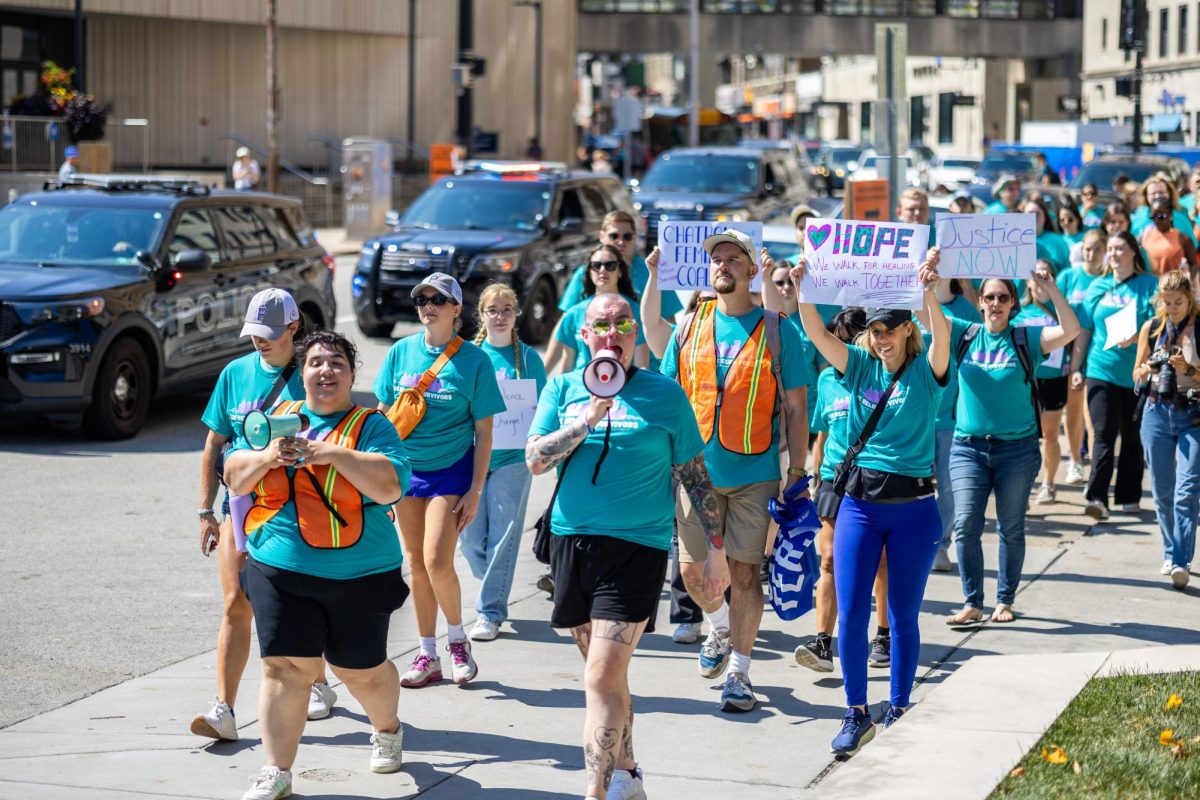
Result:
{"points": [[744, 522]]}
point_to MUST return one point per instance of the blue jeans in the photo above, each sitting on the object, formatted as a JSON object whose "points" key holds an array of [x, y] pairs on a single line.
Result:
{"points": [[979, 467], [1172, 449], [492, 541], [910, 533], [945, 491]]}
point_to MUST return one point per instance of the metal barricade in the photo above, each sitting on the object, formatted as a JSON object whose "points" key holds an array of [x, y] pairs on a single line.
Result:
{"points": [[37, 144]]}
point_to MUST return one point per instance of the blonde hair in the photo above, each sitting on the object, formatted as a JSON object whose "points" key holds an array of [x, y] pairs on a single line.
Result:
{"points": [[1165, 180], [1179, 282], [499, 291], [618, 217], [913, 345]]}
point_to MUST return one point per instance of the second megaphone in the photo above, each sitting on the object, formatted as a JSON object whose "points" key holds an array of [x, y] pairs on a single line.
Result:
{"points": [[259, 428], [604, 376]]}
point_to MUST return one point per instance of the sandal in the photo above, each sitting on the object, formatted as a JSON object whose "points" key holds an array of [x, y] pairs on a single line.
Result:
{"points": [[968, 617], [1004, 613]]}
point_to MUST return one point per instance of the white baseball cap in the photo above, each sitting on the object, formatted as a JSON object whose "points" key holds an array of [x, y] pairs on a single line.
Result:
{"points": [[269, 313], [731, 236]]}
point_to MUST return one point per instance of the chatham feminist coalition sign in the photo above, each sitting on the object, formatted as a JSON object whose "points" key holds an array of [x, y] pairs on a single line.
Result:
{"points": [[683, 264], [987, 245], [871, 264]]}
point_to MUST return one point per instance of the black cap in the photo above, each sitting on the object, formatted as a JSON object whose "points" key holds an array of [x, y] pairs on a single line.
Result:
{"points": [[890, 317]]}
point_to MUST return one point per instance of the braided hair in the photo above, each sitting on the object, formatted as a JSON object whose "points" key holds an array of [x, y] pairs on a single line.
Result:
{"points": [[490, 293]]}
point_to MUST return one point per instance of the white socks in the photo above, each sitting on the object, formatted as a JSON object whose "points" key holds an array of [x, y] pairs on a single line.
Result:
{"points": [[428, 646], [739, 663], [719, 619], [456, 633]]}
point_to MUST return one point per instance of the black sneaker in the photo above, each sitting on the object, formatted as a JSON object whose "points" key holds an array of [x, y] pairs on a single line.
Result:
{"points": [[546, 583], [881, 652], [816, 654]]}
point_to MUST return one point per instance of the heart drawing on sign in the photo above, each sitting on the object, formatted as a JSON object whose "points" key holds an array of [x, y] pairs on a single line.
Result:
{"points": [[818, 234]]}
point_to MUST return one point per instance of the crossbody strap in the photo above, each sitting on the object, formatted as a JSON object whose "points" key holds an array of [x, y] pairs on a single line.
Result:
{"points": [[442, 361], [277, 387], [873, 420]]}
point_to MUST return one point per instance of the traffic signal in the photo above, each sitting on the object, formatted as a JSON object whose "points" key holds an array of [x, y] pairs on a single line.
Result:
{"points": [[1132, 35], [1124, 86]]}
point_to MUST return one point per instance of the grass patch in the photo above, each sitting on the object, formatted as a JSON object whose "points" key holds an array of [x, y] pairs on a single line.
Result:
{"points": [[1112, 730]]}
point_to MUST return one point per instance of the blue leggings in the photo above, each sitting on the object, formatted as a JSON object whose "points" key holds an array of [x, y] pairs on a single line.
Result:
{"points": [[911, 533]]}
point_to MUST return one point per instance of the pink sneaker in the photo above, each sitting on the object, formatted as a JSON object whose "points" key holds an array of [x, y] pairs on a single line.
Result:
{"points": [[464, 665], [422, 672]]}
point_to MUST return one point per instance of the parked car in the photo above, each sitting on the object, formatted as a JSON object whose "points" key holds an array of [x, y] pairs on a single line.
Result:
{"points": [[949, 173], [793, 146], [115, 289], [718, 183], [834, 163], [1103, 169], [527, 224], [868, 169]]}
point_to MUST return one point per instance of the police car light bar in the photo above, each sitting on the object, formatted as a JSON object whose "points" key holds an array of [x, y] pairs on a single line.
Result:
{"points": [[136, 183], [514, 167]]}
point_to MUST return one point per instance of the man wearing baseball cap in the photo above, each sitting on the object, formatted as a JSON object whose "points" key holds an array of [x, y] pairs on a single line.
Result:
{"points": [[246, 171], [70, 165], [741, 371], [1007, 193]]}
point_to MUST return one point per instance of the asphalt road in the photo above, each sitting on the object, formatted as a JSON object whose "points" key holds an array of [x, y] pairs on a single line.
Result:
{"points": [[100, 574]]}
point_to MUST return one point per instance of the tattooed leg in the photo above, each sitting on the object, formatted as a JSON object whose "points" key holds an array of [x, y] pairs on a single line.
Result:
{"points": [[607, 741], [626, 759], [582, 634]]}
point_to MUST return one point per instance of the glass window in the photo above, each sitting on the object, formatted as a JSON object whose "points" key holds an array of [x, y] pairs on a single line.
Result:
{"points": [[1163, 20], [195, 231], [246, 233], [593, 203], [864, 121], [281, 228], [1183, 34], [916, 119], [71, 234], [1104, 33], [480, 204], [703, 173], [946, 118]]}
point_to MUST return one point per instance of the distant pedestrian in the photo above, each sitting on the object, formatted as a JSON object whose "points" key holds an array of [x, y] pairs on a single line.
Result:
{"points": [[1006, 193], [1089, 206], [600, 163], [1160, 188], [1045, 173], [246, 172], [1167, 247], [70, 165], [534, 150]]}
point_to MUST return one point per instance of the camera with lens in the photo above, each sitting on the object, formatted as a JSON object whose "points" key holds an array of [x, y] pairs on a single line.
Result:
{"points": [[1165, 381]]}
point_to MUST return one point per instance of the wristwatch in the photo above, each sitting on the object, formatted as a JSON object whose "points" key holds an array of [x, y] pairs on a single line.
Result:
{"points": [[797, 472]]}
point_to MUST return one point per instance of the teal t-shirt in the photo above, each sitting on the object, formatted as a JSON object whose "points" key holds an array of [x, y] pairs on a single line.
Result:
{"points": [[1105, 298], [812, 356], [242, 387], [958, 308], [651, 428], [833, 408], [639, 273], [994, 398], [1054, 248], [1074, 284], [1092, 218], [996, 207], [1072, 239], [904, 441], [279, 544], [1055, 364], [1139, 220], [464, 392], [568, 331], [504, 361], [727, 468]]}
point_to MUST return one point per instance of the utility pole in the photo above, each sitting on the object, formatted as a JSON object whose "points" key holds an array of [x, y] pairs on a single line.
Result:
{"points": [[80, 85], [694, 73], [466, 41], [272, 104], [536, 5], [1136, 85], [412, 77], [1132, 36]]}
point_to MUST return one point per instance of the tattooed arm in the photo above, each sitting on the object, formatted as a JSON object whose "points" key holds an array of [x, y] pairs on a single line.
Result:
{"points": [[543, 453], [693, 476]]}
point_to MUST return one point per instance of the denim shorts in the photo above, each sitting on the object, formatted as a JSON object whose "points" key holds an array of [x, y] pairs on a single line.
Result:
{"points": [[447, 481]]}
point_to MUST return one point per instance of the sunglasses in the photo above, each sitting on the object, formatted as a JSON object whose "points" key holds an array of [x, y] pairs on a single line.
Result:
{"points": [[1160, 216], [607, 266], [1089, 194], [782, 284], [422, 300], [620, 237], [603, 327], [997, 298]]}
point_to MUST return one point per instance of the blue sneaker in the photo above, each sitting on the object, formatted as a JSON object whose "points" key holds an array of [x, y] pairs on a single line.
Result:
{"points": [[890, 715], [857, 730], [714, 653], [737, 694]]}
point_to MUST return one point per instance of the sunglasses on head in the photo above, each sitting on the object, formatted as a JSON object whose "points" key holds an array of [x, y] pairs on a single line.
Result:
{"points": [[607, 266], [603, 327], [422, 300], [997, 298], [620, 237]]}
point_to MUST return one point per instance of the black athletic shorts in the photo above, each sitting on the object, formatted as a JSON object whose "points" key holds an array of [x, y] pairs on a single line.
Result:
{"points": [[827, 500], [599, 577], [1053, 393], [304, 616]]}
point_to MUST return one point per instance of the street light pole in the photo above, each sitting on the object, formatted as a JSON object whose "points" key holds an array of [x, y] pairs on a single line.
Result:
{"points": [[79, 66], [694, 73], [272, 104], [536, 5], [412, 76]]}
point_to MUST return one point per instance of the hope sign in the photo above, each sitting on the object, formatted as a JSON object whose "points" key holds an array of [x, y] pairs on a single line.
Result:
{"points": [[862, 239], [854, 263]]}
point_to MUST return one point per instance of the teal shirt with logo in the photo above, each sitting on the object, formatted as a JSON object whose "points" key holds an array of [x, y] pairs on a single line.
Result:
{"points": [[833, 409], [278, 543], [958, 308], [504, 361], [242, 387], [639, 274], [1054, 248], [1106, 297], [1074, 284], [463, 393], [812, 356], [1053, 365], [994, 398], [903, 443], [569, 328], [651, 428], [727, 468]]}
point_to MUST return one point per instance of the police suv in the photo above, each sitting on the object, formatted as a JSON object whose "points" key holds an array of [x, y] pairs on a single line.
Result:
{"points": [[115, 289]]}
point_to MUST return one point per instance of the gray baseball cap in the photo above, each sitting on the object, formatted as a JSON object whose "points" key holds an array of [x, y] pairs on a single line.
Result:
{"points": [[443, 283], [730, 236], [269, 313]]}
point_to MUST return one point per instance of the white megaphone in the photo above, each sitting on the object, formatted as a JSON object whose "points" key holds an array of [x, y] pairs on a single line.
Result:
{"points": [[604, 376], [259, 428]]}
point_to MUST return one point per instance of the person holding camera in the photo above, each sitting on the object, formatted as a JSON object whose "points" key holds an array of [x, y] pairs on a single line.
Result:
{"points": [[255, 381], [1166, 373], [324, 567], [611, 523]]}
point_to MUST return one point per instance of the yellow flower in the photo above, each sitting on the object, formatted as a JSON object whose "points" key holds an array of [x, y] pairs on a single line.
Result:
{"points": [[1167, 738], [1054, 754], [1174, 701]]}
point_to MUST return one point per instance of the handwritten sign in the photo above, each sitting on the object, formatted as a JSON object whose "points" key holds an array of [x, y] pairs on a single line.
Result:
{"points": [[987, 245], [510, 428], [684, 264], [872, 264], [1121, 326]]}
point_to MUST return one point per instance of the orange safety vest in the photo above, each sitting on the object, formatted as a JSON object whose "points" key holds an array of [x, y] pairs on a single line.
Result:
{"points": [[328, 508], [747, 398]]}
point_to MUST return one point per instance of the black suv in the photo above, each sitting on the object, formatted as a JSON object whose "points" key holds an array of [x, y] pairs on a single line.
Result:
{"points": [[1103, 169], [725, 184], [527, 224], [115, 289]]}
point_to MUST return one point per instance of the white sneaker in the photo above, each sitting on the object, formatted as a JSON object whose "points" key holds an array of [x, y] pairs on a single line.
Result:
{"points": [[626, 786], [485, 630], [387, 750], [1179, 577], [1046, 495], [686, 633], [271, 784], [941, 562], [1166, 568], [1096, 510], [216, 723], [320, 701], [1075, 475], [462, 663], [1131, 508]]}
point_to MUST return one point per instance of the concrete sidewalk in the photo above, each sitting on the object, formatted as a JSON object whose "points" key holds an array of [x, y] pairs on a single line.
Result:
{"points": [[514, 732]]}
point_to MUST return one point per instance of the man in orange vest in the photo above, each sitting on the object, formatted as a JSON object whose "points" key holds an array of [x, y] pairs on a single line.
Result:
{"points": [[742, 372]]}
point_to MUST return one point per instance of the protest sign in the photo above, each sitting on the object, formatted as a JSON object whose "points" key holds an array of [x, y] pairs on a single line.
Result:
{"points": [[987, 245], [1121, 326], [511, 426], [683, 264], [871, 264]]}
